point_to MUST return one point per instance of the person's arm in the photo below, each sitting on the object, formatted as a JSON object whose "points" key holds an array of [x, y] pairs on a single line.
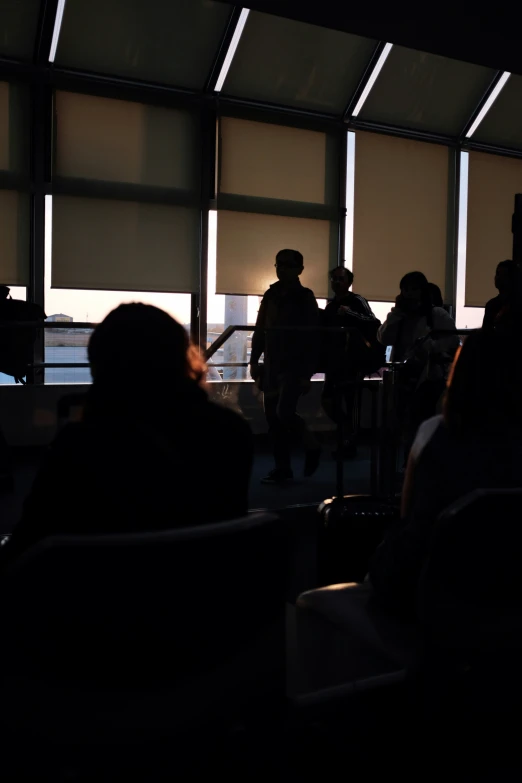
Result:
{"points": [[449, 344], [359, 309], [388, 331], [313, 337], [258, 340]]}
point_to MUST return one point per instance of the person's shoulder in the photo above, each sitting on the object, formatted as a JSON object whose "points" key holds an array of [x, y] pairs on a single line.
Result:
{"points": [[425, 434], [307, 293], [440, 314]]}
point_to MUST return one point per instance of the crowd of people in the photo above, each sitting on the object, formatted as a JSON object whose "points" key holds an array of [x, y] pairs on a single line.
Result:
{"points": [[137, 452]]}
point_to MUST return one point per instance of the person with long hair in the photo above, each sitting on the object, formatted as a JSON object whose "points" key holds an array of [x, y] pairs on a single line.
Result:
{"points": [[475, 443], [426, 360], [151, 452]]}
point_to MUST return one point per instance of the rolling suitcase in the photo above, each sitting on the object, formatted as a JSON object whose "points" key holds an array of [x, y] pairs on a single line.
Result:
{"points": [[351, 528]]}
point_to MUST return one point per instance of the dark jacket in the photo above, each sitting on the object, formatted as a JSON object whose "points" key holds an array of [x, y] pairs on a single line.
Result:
{"points": [[166, 460], [353, 351], [287, 352], [498, 312]]}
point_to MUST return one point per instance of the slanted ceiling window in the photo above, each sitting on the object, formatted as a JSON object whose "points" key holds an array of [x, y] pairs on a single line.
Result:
{"points": [[278, 188], [126, 196]]}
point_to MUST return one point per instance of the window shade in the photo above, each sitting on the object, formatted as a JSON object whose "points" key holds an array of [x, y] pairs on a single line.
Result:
{"points": [[247, 245], [14, 128], [493, 182], [274, 161], [400, 213], [14, 238], [4, 126], [127, 142], [124, 245]]}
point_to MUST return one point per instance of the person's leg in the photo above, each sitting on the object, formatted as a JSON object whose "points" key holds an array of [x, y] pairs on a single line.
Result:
{"points": [[294, 426], [280, 440]]}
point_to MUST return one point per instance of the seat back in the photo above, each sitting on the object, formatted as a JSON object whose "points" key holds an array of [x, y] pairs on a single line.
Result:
{"points": [[470, 592], [148, 608]]}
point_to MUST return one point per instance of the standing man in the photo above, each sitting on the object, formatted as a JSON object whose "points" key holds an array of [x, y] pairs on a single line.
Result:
{"points": [[348, 357], [501, 311], [290, 360]]}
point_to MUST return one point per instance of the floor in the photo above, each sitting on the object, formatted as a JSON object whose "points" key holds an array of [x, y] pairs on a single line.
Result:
{"points": [[300, 491]]}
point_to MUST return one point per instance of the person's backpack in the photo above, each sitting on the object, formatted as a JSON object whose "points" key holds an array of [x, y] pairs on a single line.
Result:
{"points": [[16, 343]]}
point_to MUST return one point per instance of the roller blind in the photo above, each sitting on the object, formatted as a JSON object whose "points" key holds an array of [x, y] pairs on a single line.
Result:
{"points": [[124, 245], [14, 128], [400, 213], [14, 238], [247, 245], [493, 182], [263, 160], [122, 141], [278, 188], [126, 196]]}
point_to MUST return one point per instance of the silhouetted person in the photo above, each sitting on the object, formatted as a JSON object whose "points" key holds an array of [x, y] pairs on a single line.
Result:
{"points": [[152, 451], [426, 360], [290, 360], [504, 309], [347, 357], [476, 443]]}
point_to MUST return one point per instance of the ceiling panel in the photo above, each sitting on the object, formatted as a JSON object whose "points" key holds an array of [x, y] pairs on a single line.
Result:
{"points": [[426, 92], [296, 64], [171, 42]]}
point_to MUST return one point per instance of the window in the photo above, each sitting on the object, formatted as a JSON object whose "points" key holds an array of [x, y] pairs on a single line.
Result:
{"points": [[70, 345]]}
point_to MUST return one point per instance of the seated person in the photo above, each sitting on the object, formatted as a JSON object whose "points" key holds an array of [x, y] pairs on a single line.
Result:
{"points": [[152, 452], [358, 630], [476, 443]]}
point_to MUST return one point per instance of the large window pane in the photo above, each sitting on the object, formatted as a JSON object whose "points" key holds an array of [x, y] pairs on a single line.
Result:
{"points": [[400, 213], [14, 238], [70, 345], [247, 245], [14, 128], [123, 141], [18, 22], [173, 42], [297, 64], [494, 180], [263, 160], [124, 245]]}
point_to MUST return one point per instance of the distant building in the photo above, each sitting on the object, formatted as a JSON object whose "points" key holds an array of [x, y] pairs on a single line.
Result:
{"points": [[61, 317]]}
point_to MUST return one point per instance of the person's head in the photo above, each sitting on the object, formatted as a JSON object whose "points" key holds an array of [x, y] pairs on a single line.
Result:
{"points": [[341, 280], [4, 292], [138, 345], [289, 265], [435, 295], [415, 292], [485, 386], [506, 277]]}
